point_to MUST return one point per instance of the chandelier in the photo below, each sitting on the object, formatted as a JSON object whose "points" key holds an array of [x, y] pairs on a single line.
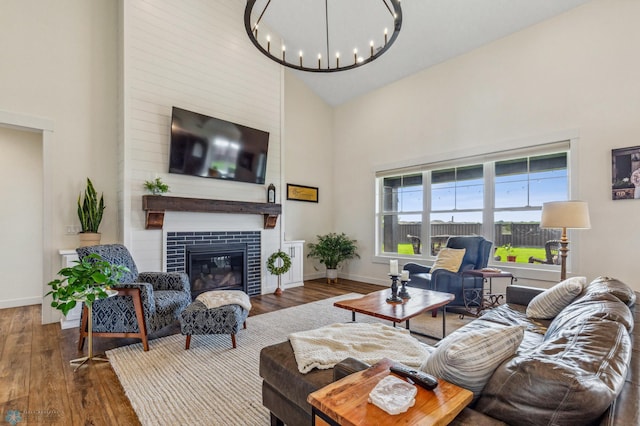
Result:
{"points": [[323, 34]]}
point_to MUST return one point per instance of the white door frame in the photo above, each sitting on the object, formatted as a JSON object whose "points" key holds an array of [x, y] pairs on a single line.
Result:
{"points": [[45, 127]]}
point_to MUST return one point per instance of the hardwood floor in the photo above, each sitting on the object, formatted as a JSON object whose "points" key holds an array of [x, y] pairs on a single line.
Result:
{"points": [[37, 384]]}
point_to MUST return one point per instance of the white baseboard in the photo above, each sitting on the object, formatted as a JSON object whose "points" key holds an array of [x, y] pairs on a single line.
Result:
{"points": [[16, 303]]}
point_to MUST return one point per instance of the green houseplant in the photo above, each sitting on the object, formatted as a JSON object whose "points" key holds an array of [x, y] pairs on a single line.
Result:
{"points": [[331, 250], [90, 211], [87, 281], [156, 186]]}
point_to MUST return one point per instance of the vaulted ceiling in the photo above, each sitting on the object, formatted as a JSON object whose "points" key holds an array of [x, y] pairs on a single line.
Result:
{"points": [[433, 31]]}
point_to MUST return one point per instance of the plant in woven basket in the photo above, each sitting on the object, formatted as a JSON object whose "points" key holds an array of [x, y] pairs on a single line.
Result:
{"points": [[284, 261]]}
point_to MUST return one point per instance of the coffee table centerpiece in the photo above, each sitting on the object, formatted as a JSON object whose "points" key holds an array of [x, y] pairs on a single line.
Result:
{"points": [[404, 278]]}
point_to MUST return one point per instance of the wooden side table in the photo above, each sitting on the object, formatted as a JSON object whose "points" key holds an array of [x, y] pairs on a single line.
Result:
{"points": [[345, 402]]}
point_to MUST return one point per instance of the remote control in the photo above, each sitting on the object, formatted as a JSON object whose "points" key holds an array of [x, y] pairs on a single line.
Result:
{"points": [[420, 378]]}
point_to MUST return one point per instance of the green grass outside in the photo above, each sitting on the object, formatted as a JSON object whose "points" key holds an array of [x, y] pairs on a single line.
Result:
{"points": [[522, 253]]}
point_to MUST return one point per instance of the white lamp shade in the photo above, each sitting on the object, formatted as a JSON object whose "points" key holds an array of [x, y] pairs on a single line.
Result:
{"points": [[565, 214]]}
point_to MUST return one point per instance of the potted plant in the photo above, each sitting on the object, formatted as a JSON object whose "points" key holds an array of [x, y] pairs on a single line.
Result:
{"points": [[285, 264], [88, 280], [90, 211], [331, 250], [156, 186], [509, 250]]}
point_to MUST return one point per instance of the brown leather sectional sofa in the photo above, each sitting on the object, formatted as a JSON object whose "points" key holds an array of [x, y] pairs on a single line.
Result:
{"points": [[580, 368]]}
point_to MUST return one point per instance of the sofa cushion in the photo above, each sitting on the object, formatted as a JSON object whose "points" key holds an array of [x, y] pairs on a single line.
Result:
{"points": [[550, 302], [569, 379], [510, 314], [591, 306], [469, 356], [612, 286], [449, 259]]}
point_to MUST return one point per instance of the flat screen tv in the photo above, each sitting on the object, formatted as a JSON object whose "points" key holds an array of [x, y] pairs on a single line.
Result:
{"points": [[209, 147]]}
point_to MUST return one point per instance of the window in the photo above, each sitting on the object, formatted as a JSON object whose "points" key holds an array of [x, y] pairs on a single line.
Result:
{"points": [[499, 196], [401, 220], [457, 203]]}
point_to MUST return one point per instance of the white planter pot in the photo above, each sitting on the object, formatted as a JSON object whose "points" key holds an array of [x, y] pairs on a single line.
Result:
{"points": [[332, 275]]}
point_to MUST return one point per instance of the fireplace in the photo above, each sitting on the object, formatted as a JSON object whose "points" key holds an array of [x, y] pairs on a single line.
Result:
{"points": [[215, 253], [216, 267]]}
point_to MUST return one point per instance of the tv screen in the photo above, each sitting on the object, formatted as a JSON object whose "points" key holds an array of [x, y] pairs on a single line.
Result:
{"points": [[209, 147]]}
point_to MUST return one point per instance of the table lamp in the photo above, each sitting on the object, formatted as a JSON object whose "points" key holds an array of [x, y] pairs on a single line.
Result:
{"points": [[565, 214]]}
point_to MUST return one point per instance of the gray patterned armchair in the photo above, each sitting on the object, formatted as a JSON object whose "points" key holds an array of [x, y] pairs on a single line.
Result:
{"points": [[146, 302]]}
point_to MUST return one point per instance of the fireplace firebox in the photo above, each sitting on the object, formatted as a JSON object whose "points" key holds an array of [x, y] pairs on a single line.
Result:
{"points": [[205, 245], [216, 267]]}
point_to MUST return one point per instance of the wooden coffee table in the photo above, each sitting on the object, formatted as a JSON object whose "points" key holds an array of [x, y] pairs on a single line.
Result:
{"points": [[345, 402], [375, 304]]}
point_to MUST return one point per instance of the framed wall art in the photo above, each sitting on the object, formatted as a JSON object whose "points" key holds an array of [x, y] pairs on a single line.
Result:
{"points": [[302, 193], [625, 173]]}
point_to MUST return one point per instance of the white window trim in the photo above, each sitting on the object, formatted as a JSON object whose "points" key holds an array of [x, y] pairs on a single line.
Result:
{"points": [[526, 146]]}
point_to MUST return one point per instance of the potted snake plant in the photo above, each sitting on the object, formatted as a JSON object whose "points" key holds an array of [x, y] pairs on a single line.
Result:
{"points": [[90, 211]]}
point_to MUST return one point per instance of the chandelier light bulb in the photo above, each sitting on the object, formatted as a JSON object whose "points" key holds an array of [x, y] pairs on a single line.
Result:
{"points": [[371, 47], [337, 59], [284, 51], [268, 43], [319, 60]]}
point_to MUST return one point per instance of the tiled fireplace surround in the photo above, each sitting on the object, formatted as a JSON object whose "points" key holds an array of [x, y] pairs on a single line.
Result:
{"points": [[177, 242]]}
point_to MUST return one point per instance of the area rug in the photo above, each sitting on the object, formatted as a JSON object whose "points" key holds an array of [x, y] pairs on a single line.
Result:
{"points": [[211, 383]]}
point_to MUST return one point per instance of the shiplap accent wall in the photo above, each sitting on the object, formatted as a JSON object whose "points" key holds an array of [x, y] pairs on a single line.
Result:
{"points": [[193, 54]]}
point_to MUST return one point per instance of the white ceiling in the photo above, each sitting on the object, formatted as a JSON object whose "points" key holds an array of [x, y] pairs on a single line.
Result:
{"points": [[433, 31]]}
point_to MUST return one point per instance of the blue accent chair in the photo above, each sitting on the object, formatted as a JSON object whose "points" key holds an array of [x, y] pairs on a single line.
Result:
{"points": [[476, 257], [146, 302]]}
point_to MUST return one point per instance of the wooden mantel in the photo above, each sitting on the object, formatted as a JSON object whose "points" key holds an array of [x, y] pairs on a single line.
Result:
{"points": [[156, 205]]}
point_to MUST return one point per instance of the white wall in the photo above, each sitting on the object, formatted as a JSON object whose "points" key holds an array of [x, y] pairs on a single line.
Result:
{"points": [[577, 73], [308, 156], [195, 55], [59, 63]]}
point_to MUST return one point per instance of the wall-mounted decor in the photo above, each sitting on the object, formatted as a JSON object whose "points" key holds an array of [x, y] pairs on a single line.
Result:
{"points": [[625, 173], [302, 193]]}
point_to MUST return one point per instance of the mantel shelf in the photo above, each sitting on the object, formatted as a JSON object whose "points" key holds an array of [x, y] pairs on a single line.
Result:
{"points": [[156, 205]]}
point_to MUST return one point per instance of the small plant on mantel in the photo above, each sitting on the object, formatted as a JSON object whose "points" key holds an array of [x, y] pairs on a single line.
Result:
{"points": [[156, 186]]}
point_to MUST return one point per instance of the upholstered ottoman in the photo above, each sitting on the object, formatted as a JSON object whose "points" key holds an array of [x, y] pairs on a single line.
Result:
{"points": [[216, 312]]}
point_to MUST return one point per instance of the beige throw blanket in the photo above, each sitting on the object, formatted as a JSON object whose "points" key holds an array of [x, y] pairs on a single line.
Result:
{"points": [[324, 347], [217, 298]]}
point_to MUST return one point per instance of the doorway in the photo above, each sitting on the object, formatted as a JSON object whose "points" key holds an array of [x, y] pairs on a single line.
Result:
{"points": [[43, 128], [21, 217]]}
